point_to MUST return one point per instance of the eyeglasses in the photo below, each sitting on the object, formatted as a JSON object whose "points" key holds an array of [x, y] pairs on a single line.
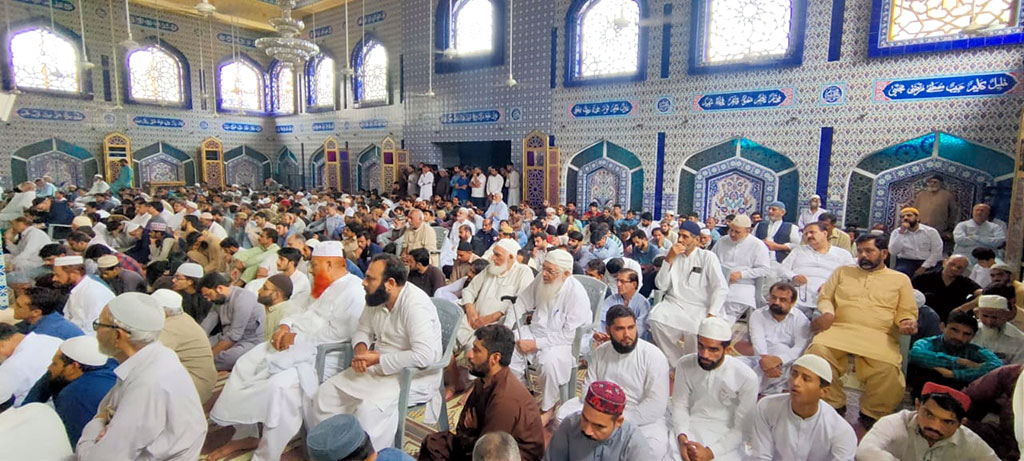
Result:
{"points": [[96, 325]]}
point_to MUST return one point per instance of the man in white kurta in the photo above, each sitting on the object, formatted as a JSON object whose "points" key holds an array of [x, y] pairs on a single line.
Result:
{"points": [[995, 332], [916, 246], [978, 231], [99, 186], [23, 359], [714, 397], [642, 371], [88, 295], [560, 305], [515, 184], [808, 267], [274, 381], [25, 254], [744, 261], [481, 299], [779, 336], [19, 203], [426, 183], [693, 286], [800, 426], [451, 242], [398, 329], [811, 213]]}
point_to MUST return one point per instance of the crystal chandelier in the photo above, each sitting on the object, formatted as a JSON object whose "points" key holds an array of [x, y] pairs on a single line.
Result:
{"points": [[286, 47]]}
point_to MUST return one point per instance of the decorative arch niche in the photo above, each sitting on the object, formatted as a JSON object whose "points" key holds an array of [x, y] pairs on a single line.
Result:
{"points": [[163, 163], [66, 163], [288, 172], [605, 173], [244, 165], [368, 169]]}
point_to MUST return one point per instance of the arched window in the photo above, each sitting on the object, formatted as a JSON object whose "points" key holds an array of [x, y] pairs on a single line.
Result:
{"points": [[730, 35], [322, 82], [370, 64], [155, 76], [908, 26], [473, 27], [240, 85], [606, 41], [282, 85], [474, 30], [43, 59]]}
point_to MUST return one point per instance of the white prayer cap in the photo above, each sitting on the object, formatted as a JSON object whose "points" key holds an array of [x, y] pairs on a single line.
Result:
{"points": [[509, 245], [131, 226], [299, 194], [715, 328], [815, 364], [81, 221], [97, 175], [84, 350], [560, 258], [191, 204], [312, 243], [991, 302], [328, 249], [549, 210], [919, 298], [206, 215], [167, 299], [137, 311], [269, 225], [190, 270], [68, 261], [741, 220], [145, 196], [106, 261]]}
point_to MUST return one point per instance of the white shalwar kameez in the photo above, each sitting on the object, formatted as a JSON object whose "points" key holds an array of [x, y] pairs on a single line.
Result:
{"points": [[85, 302], [450, 246], [786, 340], [817, 268], [409, 336], [750, 257], [714, 408], [426, 183], [694, 287], [553, 327], [272, 387], [485, 292], [26, 364], [779, 434], [25, 255], [643, 375]]}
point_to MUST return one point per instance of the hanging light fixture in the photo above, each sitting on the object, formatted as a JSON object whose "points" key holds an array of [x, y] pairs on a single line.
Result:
{"points": [[129, 43], [430, 52], [450, 52], [511, 82], [213, 69], [84, 64], [348, 48], [113, 52], [205, 9], [287, 47]]}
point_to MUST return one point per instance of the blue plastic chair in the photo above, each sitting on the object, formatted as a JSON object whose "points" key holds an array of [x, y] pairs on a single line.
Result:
{"points": [[344, 350], [596, 291]]}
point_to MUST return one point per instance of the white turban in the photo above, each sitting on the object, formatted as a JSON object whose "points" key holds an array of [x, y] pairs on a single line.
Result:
{"points": [[560, 258]]}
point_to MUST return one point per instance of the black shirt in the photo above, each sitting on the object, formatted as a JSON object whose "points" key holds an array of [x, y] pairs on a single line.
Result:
{"points": [[944, 298]]}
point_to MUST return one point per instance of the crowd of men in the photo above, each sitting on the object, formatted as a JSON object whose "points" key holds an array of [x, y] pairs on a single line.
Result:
{"points": [[699, 341]]}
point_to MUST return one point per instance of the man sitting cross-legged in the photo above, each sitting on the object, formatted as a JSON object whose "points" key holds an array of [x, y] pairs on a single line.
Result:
{"points": [[779, 334]]}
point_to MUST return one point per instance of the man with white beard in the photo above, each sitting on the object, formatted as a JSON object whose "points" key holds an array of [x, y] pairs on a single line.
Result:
{"points": [[398, 329], [274, 381], [745, 260], [809, 266], [559, 304], [642, 371]]}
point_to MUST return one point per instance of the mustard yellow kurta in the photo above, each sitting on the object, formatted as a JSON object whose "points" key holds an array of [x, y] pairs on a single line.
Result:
{"points": [[868, 306]]}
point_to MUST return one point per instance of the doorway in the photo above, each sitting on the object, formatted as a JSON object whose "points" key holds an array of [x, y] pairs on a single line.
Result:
{"points": [[478, 153]]}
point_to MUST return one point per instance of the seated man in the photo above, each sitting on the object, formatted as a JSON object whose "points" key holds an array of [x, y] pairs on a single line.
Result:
{"points": [[496, 446], [714, 397], [995, 333], [947, 289], [599, 432], [992, 410], [641, 368], [559, 305], [800, 425], [77, 380], [239, 315], [23, 359], [745, 260], [453, 291], [183, 335], [37, 307], [398, 329], [24, 240], [808, 267], [778, 335], [928, 322], [498, 402], [275, 296], [87, 296], [120, 280], [342, 438], [627, 284], [933, 431], [331, 318], [950, 359], [186, 283], [428, 278]]}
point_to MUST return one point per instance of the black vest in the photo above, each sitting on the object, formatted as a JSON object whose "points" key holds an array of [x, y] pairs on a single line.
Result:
{"points": [[781, 236]]}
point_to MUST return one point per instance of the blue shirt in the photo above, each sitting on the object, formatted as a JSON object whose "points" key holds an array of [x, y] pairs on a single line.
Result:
{"points": [[393, 454], [77, 403], [638, 304], [612, 249], [498, 211], [645, 257], [461, 194], [334, 226], [54, 324], [353, 268]]}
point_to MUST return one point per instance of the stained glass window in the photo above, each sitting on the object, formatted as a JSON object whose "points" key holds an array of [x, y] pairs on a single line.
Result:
{"points": [[743, 30], [284, 89], [44, 60], [323, 82], [371, 71], [608, 38], [914, 19], [474, 27], [241, 87], [155, 76]]}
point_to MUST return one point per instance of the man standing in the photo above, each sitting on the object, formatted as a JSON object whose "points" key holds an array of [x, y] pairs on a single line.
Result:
{"points": [[812, 213], [332, 316], [917, 246], [559, 305], [978, 232], [799, 425], [950, 359], [778, 336], [123, 181], [938, 206], [600, 431], [398, 329], [426, 183], [88, 295], [932, 431], [119, 280], [189, 342], [498, 402], [863, 309], [494, 182], [238, 314], [714, 397], [809, 266], [478, 186], [514, 184], [694, 288], [779, 236], [151, 412], [744, 261]]}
